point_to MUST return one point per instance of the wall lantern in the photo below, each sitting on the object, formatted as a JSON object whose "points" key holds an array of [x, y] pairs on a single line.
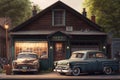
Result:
{"points": [[68, 47], [104, 47], [51, 47]]}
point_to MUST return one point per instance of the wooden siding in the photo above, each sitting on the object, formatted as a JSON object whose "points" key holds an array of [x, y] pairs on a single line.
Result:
{"points": [[45, 23]]}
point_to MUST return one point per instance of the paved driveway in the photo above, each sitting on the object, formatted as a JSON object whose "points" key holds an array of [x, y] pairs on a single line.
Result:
{"points": [[55, 76]]}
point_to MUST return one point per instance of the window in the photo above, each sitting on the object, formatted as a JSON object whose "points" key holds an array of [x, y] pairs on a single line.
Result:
{"points": [[58, 17], [100, 55], [59, 47], [96, 55], [91, 55], [39, 47]]}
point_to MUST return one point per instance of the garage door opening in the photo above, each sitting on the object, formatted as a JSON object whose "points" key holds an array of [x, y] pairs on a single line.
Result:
{"points": [[39, 47]]}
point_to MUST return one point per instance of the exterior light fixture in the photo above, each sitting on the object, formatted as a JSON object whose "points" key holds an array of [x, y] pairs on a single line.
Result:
{"points": [[51, 47], [104, 47], [6, 26], [68, 47]]}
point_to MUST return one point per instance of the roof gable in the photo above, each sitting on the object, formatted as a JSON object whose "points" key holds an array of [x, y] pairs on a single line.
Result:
{"points": [[58, 33], [61, 4], [58, 36]]}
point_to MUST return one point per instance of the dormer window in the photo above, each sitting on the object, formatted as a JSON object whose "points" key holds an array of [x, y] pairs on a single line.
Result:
{"points": [[58, 17]]}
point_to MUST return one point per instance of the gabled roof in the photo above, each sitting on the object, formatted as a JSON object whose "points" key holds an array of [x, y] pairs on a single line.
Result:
{"points": [[58, 3]]}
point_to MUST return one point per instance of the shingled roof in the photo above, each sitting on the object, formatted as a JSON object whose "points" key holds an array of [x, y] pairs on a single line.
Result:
{"points": [[58, 3]]}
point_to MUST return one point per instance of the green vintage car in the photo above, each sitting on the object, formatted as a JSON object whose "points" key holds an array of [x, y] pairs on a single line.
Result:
{"points": [[87, 61]]}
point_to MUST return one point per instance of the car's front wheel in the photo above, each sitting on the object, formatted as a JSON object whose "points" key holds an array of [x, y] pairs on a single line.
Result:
{"points": [[108, 70], [76, 71]]}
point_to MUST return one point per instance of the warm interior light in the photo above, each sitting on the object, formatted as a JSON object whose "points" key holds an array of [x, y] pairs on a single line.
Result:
{"points": [[27, 46]]}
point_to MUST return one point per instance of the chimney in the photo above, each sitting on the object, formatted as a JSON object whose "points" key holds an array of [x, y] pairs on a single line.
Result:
{"points": [[84, 13], [93, 18], [34, 11]]}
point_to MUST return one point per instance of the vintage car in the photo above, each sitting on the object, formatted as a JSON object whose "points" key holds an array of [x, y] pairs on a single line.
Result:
{"points": [[87, 61], [26, 62]]}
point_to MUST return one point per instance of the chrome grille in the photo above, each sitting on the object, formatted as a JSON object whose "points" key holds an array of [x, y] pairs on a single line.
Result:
{"points": [[62, 67], [27, 66]]}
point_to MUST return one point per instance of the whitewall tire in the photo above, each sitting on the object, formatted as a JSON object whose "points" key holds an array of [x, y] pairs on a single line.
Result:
{"points": [[76, 71]]}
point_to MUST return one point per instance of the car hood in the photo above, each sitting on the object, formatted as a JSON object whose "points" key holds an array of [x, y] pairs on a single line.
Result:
{"points": [[25, 60], [66, 61]]}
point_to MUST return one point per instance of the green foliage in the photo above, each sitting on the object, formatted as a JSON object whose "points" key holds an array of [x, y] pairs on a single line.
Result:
{"points": [[38, 8], [17, 10], [107, 13]]}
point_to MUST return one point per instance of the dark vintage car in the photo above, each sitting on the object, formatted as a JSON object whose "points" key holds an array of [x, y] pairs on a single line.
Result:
{"points": [[87, 61], [26, 62]]}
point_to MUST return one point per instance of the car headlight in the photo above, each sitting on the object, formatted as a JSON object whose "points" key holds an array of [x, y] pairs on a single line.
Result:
{"points": [[68, 64], [14, 63], [55, 63], [35, 63]]}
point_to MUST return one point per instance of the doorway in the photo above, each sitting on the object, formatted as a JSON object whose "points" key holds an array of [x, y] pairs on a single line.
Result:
{"points": [[59, 51]]}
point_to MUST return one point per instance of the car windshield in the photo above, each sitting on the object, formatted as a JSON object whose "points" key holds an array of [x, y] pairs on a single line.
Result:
{"points": [[77, 55], [27, 56]]}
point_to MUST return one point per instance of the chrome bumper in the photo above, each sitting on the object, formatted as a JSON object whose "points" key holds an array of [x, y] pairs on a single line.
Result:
{"points": [[24, 70], [63, 71]]}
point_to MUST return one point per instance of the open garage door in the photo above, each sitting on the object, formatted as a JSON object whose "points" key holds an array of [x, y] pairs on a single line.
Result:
{"points": [[39, 47]]}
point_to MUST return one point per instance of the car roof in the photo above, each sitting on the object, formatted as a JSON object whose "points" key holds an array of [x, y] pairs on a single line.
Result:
{"points": [[27, 53], [86, 51]]}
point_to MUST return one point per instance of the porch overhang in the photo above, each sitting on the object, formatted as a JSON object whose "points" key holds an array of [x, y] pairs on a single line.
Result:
{"points": [[51, 32]]}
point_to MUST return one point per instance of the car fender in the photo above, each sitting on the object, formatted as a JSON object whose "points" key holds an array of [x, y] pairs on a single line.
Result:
{"points": [[82, 66]]}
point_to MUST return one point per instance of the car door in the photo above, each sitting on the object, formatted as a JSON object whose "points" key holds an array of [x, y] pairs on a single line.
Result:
{"points": [[93, 62], [100, 59]]}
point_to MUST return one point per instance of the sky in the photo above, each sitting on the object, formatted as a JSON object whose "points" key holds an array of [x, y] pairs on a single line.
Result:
{"points": [[75, 4]]}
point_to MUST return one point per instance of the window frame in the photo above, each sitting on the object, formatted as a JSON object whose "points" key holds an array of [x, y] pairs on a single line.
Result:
{"points": [[53, 18]]}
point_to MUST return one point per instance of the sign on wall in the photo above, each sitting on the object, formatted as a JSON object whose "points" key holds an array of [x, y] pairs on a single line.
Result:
{"points": [[59, 38]]}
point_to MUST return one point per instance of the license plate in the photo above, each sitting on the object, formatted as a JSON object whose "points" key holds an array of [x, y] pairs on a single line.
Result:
{"points": [[24, 68]]}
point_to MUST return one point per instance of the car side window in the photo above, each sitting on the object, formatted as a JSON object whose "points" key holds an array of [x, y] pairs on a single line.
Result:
{"points": [[91, 55], [96, 55], [79, 55], [100, 55]]}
